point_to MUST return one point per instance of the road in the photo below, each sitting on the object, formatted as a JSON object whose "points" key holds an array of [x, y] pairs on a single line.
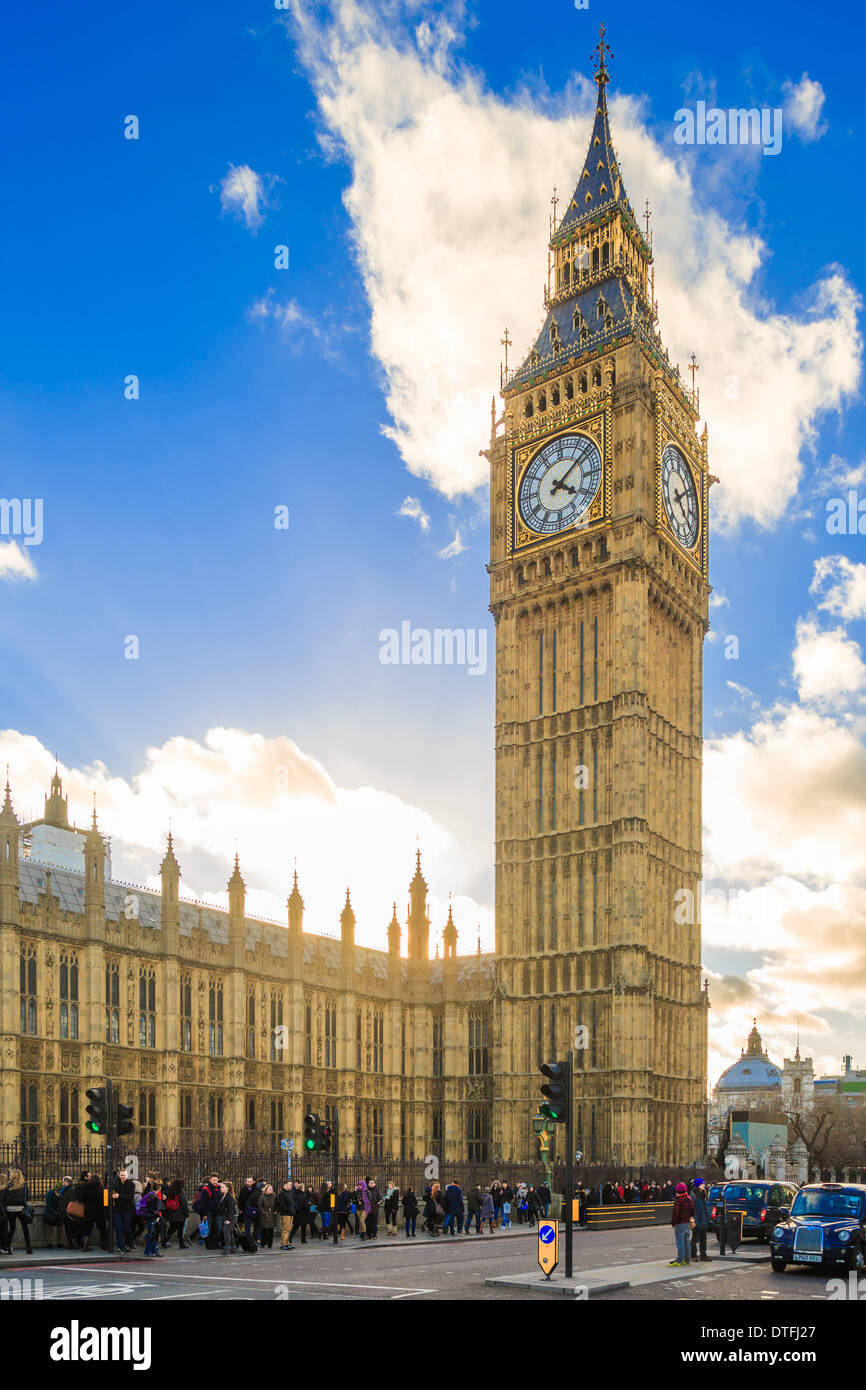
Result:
{"points": [[397, 1269]]}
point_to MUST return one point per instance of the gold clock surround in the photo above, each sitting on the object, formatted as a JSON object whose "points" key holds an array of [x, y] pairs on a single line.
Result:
{"points": [[595, 424]]}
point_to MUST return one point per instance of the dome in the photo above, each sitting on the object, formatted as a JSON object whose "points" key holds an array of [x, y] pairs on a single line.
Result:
{"points": [[750, 1073], [754, 1071]]}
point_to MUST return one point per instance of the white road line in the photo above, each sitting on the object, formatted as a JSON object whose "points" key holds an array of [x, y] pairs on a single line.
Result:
{"points": [[302, 1283]]}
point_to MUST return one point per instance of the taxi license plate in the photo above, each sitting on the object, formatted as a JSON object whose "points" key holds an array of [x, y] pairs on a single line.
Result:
{"points": [[810, 1259]]}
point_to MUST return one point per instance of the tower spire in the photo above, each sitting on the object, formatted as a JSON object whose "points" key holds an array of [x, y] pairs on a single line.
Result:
{"points": [[599, 54]]}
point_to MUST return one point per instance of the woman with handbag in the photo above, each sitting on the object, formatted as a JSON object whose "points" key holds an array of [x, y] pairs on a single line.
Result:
{"points": [[18, 1208]]}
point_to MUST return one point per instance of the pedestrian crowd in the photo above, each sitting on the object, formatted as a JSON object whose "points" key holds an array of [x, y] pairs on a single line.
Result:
{"points": [[151, 1213]]}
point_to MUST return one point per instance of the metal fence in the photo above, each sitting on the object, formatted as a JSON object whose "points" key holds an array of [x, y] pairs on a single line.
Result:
{"points": [[43, 1165]]}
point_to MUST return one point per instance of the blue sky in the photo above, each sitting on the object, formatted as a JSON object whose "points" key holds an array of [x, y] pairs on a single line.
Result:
{"points": [[261, 387]]}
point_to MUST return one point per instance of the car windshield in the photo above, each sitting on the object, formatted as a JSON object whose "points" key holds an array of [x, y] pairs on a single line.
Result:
{"points": [[833, 1204], [739, 1192]]}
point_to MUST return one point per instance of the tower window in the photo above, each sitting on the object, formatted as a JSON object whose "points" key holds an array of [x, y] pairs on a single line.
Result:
{"points": [[582, 380], [542, 400], [596, 376], [554, 395], [584, 335], [527, 409], [569, 388]]}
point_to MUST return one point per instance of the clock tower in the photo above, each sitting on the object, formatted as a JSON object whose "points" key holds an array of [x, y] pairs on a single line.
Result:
{"points": [[598, 586]]}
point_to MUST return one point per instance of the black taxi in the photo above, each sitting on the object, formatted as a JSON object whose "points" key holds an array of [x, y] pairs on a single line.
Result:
{"points": [[760, 1200], [825, 1225]]}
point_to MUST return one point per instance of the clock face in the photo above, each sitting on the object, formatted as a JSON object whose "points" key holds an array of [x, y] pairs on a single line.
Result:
{"points": [[560, 483], [680, 496]]}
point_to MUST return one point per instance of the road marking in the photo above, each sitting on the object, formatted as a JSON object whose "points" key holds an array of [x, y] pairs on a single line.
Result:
{"points": [[277, 1279]]}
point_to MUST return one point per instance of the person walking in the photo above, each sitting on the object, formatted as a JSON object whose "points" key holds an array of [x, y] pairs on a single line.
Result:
{"points": [[533, 1205], [123, 1208], [227, 1215], [701, 1222], [434, 1212], [18, 1208], [682, 1215], [287, 1205], [453, 1205], [84, 1208], [54, 1215], [410, 1211], [176, 1215], [390, 1206], [375, 1198], [248, 1208], [487, 1209], [474, 1203], [326, 1204], [206, 1207], [267, 1216], [153, 1208], [301, 1216], [507, 1199], [342, 1207], [545, 1198]]}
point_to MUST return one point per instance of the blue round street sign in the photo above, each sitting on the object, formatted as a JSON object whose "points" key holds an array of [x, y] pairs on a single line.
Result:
{"points": [[546, 1234]]}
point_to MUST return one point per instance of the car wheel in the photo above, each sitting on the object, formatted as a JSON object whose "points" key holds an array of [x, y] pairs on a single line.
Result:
{"points": [[778, 1265]]}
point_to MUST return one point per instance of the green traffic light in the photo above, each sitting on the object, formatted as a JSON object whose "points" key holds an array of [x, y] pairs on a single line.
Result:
{"points": [[310, 1143]]}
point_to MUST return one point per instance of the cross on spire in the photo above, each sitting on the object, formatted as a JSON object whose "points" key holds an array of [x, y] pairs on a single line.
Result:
{"points": [[693, 367], [599, 55], [647, 214], [554, 203]]}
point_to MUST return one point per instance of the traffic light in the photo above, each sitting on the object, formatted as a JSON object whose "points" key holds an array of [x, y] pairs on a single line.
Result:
{"points": [[311, 1132], [124, 1119], [98, 1122], [324, 1139], [555, 1088]]}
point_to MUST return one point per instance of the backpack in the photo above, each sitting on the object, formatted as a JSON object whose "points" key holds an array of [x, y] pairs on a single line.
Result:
{"points": [[141, 1205], [172, 1204]]}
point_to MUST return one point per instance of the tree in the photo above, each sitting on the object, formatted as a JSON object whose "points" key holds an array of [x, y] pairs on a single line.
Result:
{"points": [[821, 1128]]}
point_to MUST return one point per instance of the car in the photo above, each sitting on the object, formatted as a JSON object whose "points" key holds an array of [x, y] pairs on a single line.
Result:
{"points": [[760, 1201], [825, 1225]]}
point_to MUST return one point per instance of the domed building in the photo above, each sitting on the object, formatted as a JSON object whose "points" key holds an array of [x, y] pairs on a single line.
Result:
{"points": [[752, 1082]]}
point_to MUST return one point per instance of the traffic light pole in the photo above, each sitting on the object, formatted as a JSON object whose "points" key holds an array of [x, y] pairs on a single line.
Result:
{"points": [[336, 1234], [109, 1164], [569, 1166]]}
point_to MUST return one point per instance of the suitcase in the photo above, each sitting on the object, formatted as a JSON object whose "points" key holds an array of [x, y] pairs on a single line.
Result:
{"points": [[247, 1243]]}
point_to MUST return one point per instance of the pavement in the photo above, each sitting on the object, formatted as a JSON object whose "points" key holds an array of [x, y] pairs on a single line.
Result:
{"points": [[591, 1283]]}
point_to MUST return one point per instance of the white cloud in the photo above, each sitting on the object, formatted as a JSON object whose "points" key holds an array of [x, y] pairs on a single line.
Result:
{"points": [[15, 563], [448, 200], [412, 508], [277, 804], [828, 666], [804, 101], [454, 548], [842, 586], [243, 194]]}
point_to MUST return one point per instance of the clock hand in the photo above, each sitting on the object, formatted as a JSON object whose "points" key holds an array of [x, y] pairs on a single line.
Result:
{"points": [[554, 487]]}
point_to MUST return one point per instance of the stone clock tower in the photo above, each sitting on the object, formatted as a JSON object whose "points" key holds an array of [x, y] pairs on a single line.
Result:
{"points": [[598, 584]]}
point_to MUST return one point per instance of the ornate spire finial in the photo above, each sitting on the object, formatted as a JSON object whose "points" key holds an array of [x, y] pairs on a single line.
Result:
{"points": [[599, 56]]}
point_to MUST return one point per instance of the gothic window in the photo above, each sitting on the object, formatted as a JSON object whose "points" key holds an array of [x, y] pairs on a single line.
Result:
{"points": [[251, 1113], [27, 988], [576, 318], [437, 1044], [215, 1118], [377, 1131], [542, 401], [797, 1086], [186, 1115], [601, 307], [584, 339], [308, 1032], [330, 1033], [112, 1002], [553, 673], [554, 395], [553, 789], [479, 1054], [595, 258], [29, 1113], [608, 322], [215, 1019], [545, 568], [554, 332], [527, 409], [580, 914], [403, 1045], [478, 1136], [147, 1119], [436, 1120], [541, 673], [378, 1041], [596, 376], [359, 1039], [584, 387], [69, 1131], [277, 1120], [569, 388], [276, 1023], [251, 1029], [533, 358], [146, 1007], [594, 780], [595, 658], [581, 662], [68, 995], [605, 250], [186, 1013], [403, 1144], [540, 792]]}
